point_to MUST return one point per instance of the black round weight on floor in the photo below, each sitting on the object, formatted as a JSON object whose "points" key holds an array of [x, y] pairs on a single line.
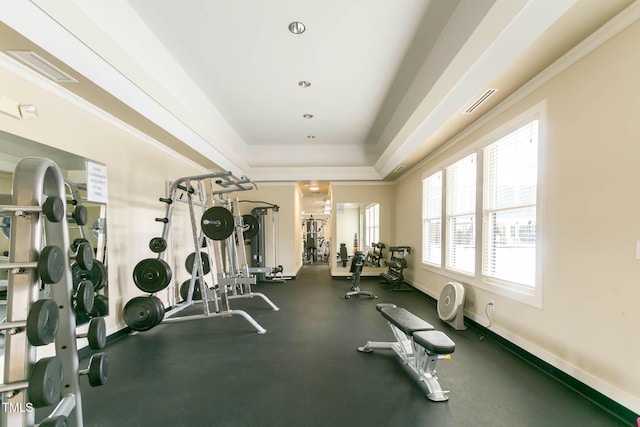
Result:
{"points": [[217, 223], [97, 333], [84, 257], [98, 367], [42, 322], [159, 308], [51, 264], [191, 258], [100, 306], [143, 313], [254, 226], [59, 421], [45, 382], [84, 297], [53, 209], [184, 290], [80, 215], [152, 275], [157, 245]]}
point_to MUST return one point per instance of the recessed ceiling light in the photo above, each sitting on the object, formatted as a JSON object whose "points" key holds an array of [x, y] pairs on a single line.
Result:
{"points": [[304, 83], [314, 188], [308, 116], [297, 27]]}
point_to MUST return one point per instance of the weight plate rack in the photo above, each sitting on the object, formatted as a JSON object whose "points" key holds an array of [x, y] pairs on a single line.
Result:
{"points": [[39, 253]]}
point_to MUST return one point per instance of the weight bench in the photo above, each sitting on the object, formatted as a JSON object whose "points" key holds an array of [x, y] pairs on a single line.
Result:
{"points": [[418, 348]]}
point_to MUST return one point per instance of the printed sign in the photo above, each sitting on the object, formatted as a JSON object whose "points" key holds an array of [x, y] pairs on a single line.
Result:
{"points": [[96, 182]]}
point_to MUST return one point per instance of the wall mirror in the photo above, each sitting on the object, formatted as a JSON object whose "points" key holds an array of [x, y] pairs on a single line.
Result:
{"points": [[357, 228], [89, 228]]}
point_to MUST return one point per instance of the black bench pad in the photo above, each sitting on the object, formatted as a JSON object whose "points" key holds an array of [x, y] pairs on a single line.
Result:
{"points": [[405, 321], [382, 305], [434, 341]]}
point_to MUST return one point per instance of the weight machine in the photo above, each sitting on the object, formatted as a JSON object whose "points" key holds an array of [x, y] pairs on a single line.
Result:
{"points": [[313, 231], [230, 277], [263, 218], [39, 257]]}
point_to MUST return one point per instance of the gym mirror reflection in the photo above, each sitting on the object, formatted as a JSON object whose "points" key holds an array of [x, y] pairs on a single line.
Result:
{"points": [[357, 228], [86, 220]]}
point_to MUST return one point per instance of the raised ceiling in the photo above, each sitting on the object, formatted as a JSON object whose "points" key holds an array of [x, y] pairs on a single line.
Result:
{"points": [[217, 80]]}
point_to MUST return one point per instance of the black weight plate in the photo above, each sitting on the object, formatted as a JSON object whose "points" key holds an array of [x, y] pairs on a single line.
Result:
{"points": [[191, 258], [142, 313], [159, 308], [42, 322], [184, 291], [97, 333], [98, 367], [51, 264], [100, 306], [84, 256], [53, 208], [217, 223], [58, 421], [85, 297], [78, 275], [76, 242], [152, 275], [157, 245], [80, 215], [45, 382], [98, 275], [254, 226]]}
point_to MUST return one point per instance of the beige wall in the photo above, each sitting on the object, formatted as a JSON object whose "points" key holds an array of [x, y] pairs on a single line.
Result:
{"points": [[137, 176], [589, 321]]}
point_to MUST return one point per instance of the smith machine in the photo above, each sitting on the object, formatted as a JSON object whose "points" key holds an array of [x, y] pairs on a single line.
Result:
{"points": [[220, 230]]}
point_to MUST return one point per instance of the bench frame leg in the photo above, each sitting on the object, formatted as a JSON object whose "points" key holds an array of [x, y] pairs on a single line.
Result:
{"points": [[417, 361]]}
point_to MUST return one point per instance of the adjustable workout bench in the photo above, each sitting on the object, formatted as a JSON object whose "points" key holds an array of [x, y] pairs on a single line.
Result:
{"points": [[417, 346]]}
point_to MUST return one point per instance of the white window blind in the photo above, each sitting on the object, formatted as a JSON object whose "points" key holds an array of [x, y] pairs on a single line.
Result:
{"points": [[509, 198], [461, 207], [432, 219], [372, 215]]}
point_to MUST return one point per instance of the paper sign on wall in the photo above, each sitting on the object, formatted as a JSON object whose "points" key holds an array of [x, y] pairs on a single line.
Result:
{"points": [[96, 182]]}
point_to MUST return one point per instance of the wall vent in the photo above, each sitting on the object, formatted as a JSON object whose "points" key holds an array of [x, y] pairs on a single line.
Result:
{"points": [[41, 65], [480, 100]]}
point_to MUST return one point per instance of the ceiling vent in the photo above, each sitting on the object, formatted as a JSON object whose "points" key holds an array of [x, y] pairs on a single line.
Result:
{"points": [[399, 168], [41, 65], [480, 101]]}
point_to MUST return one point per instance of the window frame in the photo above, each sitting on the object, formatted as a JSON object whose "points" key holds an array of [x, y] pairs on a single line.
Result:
{"points": [[426, 218], [372, 224], [529, 295]]}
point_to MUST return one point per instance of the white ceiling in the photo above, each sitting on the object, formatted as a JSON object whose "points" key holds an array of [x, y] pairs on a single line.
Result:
{"points": [[387, 77]]}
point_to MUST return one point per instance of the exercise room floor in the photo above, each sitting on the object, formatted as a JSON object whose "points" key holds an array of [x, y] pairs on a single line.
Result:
{"points": [[306, 371]]}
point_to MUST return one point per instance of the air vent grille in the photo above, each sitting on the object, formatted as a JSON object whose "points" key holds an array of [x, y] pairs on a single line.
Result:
{"points": [[42, 66], [480, 100]]}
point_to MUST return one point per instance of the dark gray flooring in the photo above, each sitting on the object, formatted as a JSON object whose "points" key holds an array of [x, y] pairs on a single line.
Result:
{"points": [[305, 371]]}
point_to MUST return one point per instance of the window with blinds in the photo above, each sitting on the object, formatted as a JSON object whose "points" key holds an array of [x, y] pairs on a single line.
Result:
{"points": [[510, 177], [372, 224], [432, 219], [461, 215]]}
